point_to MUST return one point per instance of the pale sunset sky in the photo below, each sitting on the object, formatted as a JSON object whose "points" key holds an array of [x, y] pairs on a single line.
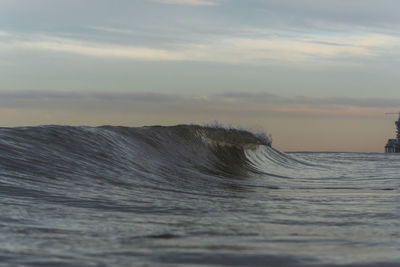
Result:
{"points": [[318, 75]]}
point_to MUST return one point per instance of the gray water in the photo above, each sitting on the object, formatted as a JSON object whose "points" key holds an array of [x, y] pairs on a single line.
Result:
{"points": [[190, 196]]}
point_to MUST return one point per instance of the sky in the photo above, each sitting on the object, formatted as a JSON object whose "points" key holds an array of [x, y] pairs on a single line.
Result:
{"points": [[317, 75]]}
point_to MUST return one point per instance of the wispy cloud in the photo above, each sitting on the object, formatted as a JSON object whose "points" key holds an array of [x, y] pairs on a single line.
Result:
{"points": [[93, 49], [239, 98], [4, 34], [224, 101], [43, 96], [224, 50], [112, 30], [189, 2]]}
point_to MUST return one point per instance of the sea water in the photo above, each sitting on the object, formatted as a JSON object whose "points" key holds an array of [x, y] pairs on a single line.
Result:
{"points": [[189, 196]]}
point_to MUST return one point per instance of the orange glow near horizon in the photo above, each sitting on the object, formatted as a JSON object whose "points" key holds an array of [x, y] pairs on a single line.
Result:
{"points": [[292, 128]]}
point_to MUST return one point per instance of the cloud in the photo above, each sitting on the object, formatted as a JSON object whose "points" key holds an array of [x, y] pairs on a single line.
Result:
{"points": [[227, 99], [4, 34], [54, 96], [95, 49], [240, 98], [234, 50], [339, 15], [189, 2]]}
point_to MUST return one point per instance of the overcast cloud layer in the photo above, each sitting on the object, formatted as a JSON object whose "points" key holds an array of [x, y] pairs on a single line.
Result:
{"points": [[309, 46]]}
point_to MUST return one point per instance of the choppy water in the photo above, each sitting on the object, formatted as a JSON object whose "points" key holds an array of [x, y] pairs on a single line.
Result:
{"points": [[190, 195]]}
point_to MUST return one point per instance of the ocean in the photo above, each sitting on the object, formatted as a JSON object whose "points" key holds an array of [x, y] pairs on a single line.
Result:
{"points": [[190, 195]]}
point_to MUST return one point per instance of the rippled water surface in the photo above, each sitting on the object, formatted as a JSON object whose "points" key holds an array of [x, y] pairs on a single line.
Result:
{"points": [[190, 195]]}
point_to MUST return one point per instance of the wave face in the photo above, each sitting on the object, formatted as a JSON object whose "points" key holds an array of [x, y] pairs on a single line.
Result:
{"points": [[189, 194]]}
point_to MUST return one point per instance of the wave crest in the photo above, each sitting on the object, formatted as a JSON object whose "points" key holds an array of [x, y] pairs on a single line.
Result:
{"points": [[154, 156]]}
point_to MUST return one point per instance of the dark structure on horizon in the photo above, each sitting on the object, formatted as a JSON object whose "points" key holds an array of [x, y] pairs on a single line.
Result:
{"points": [[393, 145]]}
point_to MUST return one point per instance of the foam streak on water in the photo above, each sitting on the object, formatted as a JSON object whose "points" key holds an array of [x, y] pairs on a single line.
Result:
{"points": [[190, 195]]}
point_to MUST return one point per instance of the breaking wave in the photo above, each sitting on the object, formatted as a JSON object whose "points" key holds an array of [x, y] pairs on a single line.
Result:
{"points": [[188, 194], [123, 155]]}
